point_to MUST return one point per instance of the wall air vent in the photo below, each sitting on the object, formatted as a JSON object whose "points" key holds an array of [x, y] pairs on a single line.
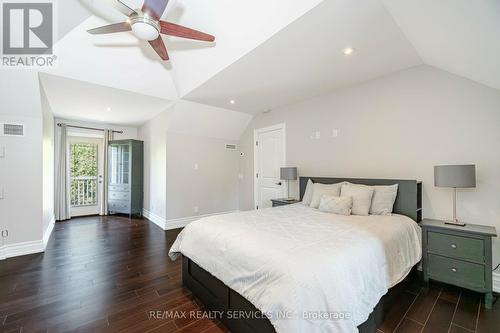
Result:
{"points": [[11, 130], [231, 146]]}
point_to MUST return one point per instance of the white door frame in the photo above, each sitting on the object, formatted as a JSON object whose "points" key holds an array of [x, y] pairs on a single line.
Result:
{"points": [[256, 132]]}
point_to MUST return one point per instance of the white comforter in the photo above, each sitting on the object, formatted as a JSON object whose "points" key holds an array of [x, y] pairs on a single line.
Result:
{"points": [[300, 266]]}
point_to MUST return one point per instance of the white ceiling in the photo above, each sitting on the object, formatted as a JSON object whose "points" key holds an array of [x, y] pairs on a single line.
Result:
{"points": [[120, 61], [77, 100], [74, 12], [268, 58], [459, 36], [306, 59]]}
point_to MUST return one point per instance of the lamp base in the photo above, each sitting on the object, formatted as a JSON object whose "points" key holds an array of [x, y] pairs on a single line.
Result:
{"points": [[455, 223]]}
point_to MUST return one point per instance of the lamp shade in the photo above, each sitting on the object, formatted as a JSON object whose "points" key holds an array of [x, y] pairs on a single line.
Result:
{"points": [[458, 176], [288, 173]]}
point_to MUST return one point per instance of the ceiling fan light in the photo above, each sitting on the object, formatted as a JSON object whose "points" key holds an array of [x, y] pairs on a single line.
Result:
{"points": [[145, 31]]}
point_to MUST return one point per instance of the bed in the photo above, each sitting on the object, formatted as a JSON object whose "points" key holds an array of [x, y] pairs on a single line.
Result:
{"points": [[296, 269]]}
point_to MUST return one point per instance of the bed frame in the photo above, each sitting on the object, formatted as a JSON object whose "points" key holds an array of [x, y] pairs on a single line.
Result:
{"points": [[218, 297]]}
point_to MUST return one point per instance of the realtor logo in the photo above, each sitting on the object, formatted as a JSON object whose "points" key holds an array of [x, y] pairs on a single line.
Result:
{"points": [[27, 34]]}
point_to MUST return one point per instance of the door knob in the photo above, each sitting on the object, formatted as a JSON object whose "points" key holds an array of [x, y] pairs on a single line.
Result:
{"points": [[278, 183]]}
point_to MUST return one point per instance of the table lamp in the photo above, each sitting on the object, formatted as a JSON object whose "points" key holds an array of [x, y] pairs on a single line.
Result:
{"points": [[288, 173], [455, 176]]}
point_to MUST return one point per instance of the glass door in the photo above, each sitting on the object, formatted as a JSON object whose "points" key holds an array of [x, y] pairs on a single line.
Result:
{"points": [[85, 175], [119, 166]]}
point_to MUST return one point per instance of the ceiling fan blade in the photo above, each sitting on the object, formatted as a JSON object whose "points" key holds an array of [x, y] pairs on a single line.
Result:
{"points": [[155, 8], [160, 48], [120, 6], [109, 29], [172, 29]]}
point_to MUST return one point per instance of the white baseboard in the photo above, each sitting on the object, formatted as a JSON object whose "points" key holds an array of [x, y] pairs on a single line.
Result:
{"points": [[496, 282], [31, 247], [21, 249], [158, 220], [176, 223], [48, 231]]}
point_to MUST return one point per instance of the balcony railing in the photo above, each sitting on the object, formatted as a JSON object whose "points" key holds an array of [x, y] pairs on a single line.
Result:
{"points": [[83, 191]]}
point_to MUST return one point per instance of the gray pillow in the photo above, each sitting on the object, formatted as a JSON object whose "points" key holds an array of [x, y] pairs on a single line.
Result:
{"points": [[361, 197], [320, 189], [383, 199], [336, 205]]}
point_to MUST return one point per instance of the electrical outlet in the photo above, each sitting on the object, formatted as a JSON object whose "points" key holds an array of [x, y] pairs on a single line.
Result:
{"points": [[196, 209], [1, 193]]}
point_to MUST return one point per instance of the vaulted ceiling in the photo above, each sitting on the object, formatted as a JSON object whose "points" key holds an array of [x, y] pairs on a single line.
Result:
{"points": [[78, 100], [307, 59], [269, 53]]}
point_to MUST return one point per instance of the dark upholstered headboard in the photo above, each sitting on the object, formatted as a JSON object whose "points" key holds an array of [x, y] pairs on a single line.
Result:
{"points": [[408, 202]]}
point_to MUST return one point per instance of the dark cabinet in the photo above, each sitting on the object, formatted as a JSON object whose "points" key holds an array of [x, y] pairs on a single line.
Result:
{"points": [[125, 177]]}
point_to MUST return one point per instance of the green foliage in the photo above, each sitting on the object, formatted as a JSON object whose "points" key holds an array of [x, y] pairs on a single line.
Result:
{"points": [[83, 163], [83, 159]]}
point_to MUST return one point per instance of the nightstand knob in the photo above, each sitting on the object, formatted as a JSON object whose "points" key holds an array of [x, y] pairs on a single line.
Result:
{"points": [[453, 246], [454, 270]]}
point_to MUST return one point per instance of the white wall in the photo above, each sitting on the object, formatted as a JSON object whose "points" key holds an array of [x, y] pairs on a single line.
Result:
{"points": [[202, 176], [398, 126], [154, 135], [48, 166], [184, 135], [20, 171]]}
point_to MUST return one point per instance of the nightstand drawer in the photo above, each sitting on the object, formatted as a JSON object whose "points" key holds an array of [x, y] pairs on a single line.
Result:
{"points": [[456, 246], [461, 273]]}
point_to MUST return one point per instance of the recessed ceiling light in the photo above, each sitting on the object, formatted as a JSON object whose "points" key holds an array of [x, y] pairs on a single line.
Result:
{"points": [[108, 108], [348, 51], [232, 101]]}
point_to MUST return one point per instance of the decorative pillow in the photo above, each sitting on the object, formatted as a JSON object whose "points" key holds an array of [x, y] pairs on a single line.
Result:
{"points": [[320, 189], [383, 199], [306, 199], [361, 197], [335, 205]]}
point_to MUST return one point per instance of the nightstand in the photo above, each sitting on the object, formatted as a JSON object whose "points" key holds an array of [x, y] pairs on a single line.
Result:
{"points": [[283, 202], [460, 256]]}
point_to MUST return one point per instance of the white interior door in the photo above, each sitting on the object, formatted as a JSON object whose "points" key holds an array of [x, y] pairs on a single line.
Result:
{"points": [[269, 158], [86, 172]]}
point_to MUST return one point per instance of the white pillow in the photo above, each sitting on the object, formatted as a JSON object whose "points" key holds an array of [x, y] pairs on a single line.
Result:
{"points": [[336, 205], [383, 199], [306, 199], [320, 189], [361, 197]]}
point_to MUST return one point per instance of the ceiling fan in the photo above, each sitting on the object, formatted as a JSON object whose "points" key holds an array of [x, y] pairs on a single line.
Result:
{"points": [[145, 23]]}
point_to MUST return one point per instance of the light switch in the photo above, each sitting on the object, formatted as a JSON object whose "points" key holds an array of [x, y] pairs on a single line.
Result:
{"points": [[196, 166], [316, 135], [2, 151], [1, 193], [335, 133]]}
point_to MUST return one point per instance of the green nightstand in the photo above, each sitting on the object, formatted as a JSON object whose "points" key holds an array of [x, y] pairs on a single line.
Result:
{"points": [[460, 256]]}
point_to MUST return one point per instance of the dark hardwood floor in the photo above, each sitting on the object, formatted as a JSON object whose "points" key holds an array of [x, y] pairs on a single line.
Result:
{"points": [[109, 274]]}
